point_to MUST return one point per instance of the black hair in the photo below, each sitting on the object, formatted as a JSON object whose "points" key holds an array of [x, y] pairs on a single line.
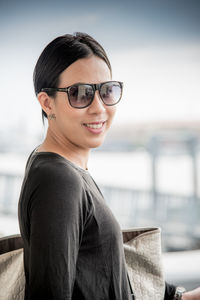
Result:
{"points": [[61, 53]]}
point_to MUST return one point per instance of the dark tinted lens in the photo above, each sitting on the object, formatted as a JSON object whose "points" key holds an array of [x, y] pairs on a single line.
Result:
{"points": [[110, 92], [80, 95]]}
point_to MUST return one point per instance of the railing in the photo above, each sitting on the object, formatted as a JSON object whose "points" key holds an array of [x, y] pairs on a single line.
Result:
{"points": [[10, 185], [141, 204], [178, 216]]}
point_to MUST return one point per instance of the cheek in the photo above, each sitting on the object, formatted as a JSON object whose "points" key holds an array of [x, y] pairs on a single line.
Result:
{"points": [[64, 111], [70, 118], [111, 112]]}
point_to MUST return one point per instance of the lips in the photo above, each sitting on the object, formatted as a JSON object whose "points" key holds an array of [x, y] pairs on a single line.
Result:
{"points": [[95, 127]]}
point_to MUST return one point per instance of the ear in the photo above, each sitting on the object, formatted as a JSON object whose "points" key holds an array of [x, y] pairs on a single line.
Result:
{"points": [[46, 102]]}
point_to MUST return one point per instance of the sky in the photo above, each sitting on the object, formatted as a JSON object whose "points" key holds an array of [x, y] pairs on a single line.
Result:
{"points": [[153, 46]]}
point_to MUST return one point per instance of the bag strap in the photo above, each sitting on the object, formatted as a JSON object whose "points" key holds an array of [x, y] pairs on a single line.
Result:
{"points": [[132, 294]]}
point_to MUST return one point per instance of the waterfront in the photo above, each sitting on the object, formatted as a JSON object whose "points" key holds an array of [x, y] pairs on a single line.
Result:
{"points": [[126, 181], [126, 178]]}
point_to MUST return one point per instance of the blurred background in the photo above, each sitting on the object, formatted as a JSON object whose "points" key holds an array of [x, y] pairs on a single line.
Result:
{"points": [[149, 165]]}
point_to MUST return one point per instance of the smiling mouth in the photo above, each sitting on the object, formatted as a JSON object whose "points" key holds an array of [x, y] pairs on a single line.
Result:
{"points": [[94, 125]]}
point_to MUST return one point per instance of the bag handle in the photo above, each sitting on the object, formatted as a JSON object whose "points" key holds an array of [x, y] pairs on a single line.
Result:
{"points": [[132, 294]]}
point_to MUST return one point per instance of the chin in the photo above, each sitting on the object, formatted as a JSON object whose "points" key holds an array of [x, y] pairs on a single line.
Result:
{"points": [[97, 143]]}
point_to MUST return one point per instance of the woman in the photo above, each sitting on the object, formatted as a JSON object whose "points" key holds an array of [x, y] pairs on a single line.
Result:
{"points": [[72, 243]]}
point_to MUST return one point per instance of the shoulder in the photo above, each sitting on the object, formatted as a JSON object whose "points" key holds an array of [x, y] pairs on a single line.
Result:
{"points": [[51, 178], [53, 184], [53, 171]]}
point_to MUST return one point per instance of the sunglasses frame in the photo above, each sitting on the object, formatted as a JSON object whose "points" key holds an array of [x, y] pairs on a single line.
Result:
{"points": [[95, 87]]}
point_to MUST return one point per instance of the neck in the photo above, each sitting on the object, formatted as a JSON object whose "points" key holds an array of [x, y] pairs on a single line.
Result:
{"points": [[74, 153]]}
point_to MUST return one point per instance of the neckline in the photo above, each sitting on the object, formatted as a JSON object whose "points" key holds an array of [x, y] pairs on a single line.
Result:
{"points": [[35, 152]]}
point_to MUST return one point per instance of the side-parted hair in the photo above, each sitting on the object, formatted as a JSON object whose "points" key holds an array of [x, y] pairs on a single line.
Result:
{"points": [[60, 54]]}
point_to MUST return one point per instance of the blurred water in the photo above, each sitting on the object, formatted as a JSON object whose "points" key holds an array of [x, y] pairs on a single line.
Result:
{"points": [[133, 170], [130, 170]]}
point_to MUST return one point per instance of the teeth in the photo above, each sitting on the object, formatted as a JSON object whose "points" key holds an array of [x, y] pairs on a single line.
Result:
{"points": [[94, 126]]}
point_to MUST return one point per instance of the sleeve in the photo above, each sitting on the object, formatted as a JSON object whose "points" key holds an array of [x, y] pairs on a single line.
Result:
{"points": [[169, 291], [57, 218]]}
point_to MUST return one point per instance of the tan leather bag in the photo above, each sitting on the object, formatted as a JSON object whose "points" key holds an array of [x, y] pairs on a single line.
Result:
{"points": [[142, 248], [12, 279]]}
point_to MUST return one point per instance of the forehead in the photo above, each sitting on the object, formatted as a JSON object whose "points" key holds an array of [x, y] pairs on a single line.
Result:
{"points": [[87, 70]]}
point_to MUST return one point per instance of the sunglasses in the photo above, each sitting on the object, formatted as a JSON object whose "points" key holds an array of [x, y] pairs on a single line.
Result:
{"points": [[81, 95]]}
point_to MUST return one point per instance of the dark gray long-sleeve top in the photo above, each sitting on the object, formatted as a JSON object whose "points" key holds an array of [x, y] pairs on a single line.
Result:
{"points": [[73, 246]]}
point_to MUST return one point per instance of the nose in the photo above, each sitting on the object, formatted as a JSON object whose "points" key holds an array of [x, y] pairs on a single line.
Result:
{"points": [[97, 106]]}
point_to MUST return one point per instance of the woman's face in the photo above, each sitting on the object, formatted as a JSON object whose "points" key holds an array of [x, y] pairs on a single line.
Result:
{"points": [[79, 126]]}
